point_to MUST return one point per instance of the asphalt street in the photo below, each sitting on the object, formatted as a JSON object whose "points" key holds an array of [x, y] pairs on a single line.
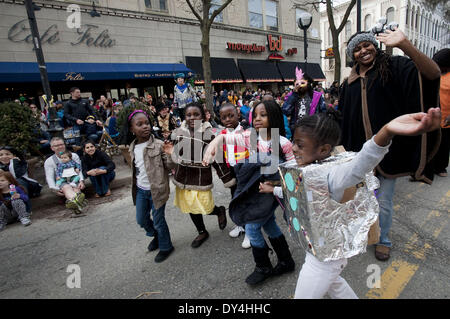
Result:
{"points": [[111, 252]]}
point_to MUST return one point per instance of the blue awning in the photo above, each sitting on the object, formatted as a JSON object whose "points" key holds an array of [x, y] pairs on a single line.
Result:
{"points": [[29, 71]]}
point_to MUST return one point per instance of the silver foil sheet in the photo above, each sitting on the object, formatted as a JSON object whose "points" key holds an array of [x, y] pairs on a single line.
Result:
{"points": [[327, 229]]}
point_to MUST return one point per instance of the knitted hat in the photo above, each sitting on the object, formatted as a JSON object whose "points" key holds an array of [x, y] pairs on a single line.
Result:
{"points": [[357, 39], [179, 75]]}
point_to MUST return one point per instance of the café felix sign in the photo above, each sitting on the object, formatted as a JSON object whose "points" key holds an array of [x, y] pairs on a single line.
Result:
{"points": [[88, 34]]}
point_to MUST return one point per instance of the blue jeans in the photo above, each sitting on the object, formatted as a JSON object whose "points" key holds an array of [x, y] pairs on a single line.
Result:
{"points": [[101, 182], [385, 194], [253, 232], [157, 226]]}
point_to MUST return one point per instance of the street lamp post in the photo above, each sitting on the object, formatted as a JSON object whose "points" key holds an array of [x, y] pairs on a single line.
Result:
{"points": [[54, 126], [304, 22]]}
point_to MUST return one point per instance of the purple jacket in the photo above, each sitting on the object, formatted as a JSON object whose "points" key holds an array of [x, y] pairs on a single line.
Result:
{"points": [[23, 195]]}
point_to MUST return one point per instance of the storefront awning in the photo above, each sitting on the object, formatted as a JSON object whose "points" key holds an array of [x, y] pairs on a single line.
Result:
{"points": [[223, 70], [287, 70], [29, 71], [259, 71]]}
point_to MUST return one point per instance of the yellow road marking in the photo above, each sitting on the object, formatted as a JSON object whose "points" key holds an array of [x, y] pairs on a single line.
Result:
{"points": [[399, 273], [393, 280]]}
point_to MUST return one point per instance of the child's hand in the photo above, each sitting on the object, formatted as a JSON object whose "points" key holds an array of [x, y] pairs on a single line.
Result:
{"points": [[77, 170], [415, 123], [409, 125], [266, 187], [15, 196], [168, 147], [210, 152]]}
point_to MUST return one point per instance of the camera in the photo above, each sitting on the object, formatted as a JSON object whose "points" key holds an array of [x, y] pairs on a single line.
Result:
{"points": [[381, 26]]}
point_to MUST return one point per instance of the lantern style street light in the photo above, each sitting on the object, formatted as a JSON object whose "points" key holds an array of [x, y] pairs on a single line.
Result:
{"points": [[304, 22]]}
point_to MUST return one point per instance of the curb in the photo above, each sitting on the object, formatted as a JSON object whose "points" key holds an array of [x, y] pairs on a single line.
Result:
{"points": [[49, 199]]}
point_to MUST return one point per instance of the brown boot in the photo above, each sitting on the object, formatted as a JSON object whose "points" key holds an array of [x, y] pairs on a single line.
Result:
{"points": [[382, 253]]}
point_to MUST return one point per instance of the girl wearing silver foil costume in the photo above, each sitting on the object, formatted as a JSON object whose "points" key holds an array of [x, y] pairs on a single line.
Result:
{"points": [[314, 139]]}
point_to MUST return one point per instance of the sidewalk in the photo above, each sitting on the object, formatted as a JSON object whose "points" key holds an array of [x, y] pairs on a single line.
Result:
{"points": [[48, 198]]}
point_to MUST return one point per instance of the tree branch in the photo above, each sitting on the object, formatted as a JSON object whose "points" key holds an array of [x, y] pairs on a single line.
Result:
{"points": [[346, 15], [197, 15], [217, 11]]}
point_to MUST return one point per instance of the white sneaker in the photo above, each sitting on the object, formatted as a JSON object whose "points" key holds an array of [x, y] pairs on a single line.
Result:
{"points": [[25, 221], [236, 231], [246, 242]]}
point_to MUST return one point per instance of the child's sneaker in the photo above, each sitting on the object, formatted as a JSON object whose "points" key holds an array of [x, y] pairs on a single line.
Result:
{"points": [[246, 242], [25, 221], [236, 231]]}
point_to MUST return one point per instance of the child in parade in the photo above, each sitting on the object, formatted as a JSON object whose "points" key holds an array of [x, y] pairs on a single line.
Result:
{"points": [[230, 119], [150, 188], [314, 139], [249, 207], [192, 180], [13, 200]]}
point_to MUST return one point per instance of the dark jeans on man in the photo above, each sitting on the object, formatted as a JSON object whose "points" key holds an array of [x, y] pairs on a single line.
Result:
{"points": [[101, 182]]}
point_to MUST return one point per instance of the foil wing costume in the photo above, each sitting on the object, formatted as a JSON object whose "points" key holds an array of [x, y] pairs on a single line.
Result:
{"points": [[327, 229]]}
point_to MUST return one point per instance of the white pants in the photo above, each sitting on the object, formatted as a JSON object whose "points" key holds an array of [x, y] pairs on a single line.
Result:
{"points": [[317, 278]]}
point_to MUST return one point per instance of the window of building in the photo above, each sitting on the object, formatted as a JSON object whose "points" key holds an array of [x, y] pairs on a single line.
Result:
{"points": [[348, 30], [271, 15], [330, 38], [215, 4], [417, 19], [407, 15], [368, 22], [390, 13], [158, 5], [255, 13]]}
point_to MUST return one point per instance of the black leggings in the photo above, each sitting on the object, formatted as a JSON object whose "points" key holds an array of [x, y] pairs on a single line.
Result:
{"points": [[197, 219]]}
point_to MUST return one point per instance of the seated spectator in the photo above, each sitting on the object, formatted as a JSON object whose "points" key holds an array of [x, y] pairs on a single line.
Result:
{"points": [[40, 116], [91, 129], [60, 112], [12, 161], [99, 167], [111, 125], [43, 141], [209, 119], [13, 199], [165, 121], [75, 198]]}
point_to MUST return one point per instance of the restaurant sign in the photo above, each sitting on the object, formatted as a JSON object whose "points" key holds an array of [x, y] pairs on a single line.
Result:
{"points": [[246, 48], [88, 34]]}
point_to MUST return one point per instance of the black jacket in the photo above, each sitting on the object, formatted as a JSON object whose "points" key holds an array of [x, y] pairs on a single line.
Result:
{"points": [[98, 159], [401, 94], [77, 110], [248, 204]]}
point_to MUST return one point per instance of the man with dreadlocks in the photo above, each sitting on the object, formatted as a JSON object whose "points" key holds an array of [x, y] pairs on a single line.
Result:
{"points": [[379, 88]]}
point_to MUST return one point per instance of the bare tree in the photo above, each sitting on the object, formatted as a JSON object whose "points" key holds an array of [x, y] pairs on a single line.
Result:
{"points": [[335, 31], [201, 10], [335, 35]]}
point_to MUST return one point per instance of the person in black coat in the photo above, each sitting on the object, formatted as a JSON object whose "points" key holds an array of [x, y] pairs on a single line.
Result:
{"points": [[99, 167]]}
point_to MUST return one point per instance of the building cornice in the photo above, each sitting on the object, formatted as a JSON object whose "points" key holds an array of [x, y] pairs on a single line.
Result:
{"points": [[158, 17]]}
